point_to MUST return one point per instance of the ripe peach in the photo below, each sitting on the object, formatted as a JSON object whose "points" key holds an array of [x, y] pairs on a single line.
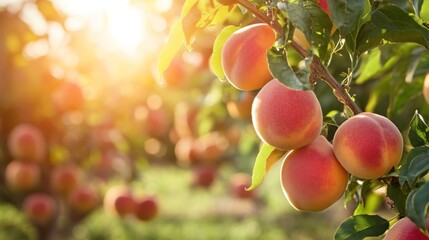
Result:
{"points": [[40, 208], [22, 175], [204, 176], [211, 147], [426, 88], [146, 208], [68, 97], [242, 107], [405, 229], [185, 151], [312, 179], [83, 199], [368, 145], [324, 5], [244, 56], [64, 179], [286, 118], [119, 201], [185, 119], [175, 75], [26, 142], [158, 123], [239, 182]]}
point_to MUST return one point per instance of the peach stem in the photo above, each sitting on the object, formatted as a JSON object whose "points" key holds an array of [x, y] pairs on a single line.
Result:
{"points": [[318, 69]]}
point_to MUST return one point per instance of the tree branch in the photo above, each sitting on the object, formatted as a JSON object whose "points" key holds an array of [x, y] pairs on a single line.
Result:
{"points": [[317, 67]]}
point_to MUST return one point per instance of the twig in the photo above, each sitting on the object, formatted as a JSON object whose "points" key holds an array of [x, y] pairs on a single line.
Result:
{"points": [[317, 67]]}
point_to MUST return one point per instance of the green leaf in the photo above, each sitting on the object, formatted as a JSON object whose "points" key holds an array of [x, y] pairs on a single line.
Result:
{"points": [[416, 165], [346, 14], [279, 67], [399, 26], [312, 21], [417, 4], [361, 226], [398, 197], [419, 132], [417, 206], [216, 57], [371, 66], [352, 188], [190, 16], [266, 157], [170, 49]]}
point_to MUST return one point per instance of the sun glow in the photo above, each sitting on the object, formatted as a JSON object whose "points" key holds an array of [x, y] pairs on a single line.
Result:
{"points": [[122, 25]]}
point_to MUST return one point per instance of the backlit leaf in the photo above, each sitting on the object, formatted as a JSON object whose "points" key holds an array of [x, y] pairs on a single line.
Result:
{"points": [[361, 226], [266, 157]]}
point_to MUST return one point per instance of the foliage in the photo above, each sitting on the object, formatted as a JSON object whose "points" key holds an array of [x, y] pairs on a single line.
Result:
{"points": [[378, 53]]}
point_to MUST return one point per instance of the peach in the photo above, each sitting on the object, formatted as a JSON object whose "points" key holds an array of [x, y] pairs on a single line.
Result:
{"points": [[146, 208], [324, 5], [64, 179], [157, 123], [68, 97], [238, 183], [83, 199], [204, 176], [119, 201], [368, 145], [426, 88], [312, 179], [185, 151], [286, 118], [211, 147], [244, 56], [26, 142], [242, 107], [22, 175], [175, 76], [405, 229], [185, 119], [40, 208]]}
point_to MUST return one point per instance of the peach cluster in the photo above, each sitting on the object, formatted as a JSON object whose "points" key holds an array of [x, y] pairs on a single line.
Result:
{"points": [[314, 173], [26, 175], [120, 201]]}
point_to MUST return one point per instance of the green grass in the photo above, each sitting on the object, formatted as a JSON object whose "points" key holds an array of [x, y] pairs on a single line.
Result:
{"points": [[192, 213]]}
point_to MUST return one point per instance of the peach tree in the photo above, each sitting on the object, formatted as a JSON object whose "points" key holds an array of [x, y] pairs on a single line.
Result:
{"points": [[370, 59]]}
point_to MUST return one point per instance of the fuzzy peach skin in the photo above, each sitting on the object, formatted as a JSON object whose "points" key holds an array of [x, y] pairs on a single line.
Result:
{"points": [[405, 229], [312, 179], [368, 145], [26, 142], [22, 175], [426, 88], [286, 118], [40, 208], [244, 56]]}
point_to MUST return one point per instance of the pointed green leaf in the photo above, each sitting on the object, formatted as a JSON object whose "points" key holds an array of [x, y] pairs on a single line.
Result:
{"points": [[216, 57], [352, 188], [398, 197], [279, 67], [416, 165], [312, 21], [266, 157], [346, 14], [399, 26], [417, 206], [418, 133], [170, 48], [361, 226]]}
